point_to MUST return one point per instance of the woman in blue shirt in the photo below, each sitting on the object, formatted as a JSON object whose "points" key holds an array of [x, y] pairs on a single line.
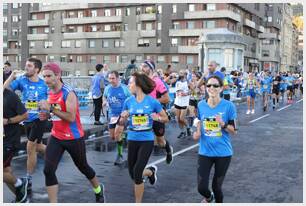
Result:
{"points": [[140, 111], [216, 121]]}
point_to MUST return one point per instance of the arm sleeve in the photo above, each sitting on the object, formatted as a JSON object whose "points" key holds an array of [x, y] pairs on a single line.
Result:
{"points": [[15, 85], [125, 105], [157, 106]]}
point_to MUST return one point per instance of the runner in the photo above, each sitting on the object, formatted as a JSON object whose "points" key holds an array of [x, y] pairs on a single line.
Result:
{"points": [[289, 81], [97, 93], [181, 103], [250, 92], [161, 94], [67, 133], [114, 95], [140, 111], [33, 89], [217, 122], [283, 87], [13, 113], [227, 84], [265, 89], [275, 90]]}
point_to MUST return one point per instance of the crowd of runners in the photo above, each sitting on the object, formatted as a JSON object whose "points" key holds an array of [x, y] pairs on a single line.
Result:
{"points": [[139, 105]]}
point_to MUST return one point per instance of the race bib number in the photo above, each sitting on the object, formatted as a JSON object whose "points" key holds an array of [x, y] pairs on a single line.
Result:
{"points": [[31, 105], [114, 120], [212, 128], [140, 121]]}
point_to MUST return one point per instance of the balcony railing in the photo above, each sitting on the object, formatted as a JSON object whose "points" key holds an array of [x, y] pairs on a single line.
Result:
{"points": [[92, 35], [41, 22], [212, 15], [37, 37], [92, 20]]}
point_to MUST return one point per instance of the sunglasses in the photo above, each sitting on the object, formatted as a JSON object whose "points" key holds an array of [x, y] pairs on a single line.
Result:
{"points": [[213, 85]]}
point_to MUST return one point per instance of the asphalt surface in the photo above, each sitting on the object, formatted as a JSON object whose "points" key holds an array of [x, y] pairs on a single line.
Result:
{"points": [[267, 166]]}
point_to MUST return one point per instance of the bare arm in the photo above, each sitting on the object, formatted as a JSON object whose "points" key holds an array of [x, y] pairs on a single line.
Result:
{"points": [[16, 119]]}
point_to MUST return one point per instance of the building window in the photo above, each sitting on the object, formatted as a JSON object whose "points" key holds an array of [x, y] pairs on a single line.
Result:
{"points": [[174, 8], [138, 11], [269, 18], [106, 59], [92, 43], [93, 28], [105, 44], [158, 42], [15, 18], [175, 59], [4, 44], [126, 28], [63, 59], [46, 30], [257, 6], [77, 43], [176, 25], [124, 59], [148, 26], [34, 31], [107, 12], [228, 58], [127, 12], [138, 26], [117, 43], [93, 59], [107, 27], [5, 19], [159, 9], [190, 25], [209, 24], [122, 44], [143, 42], [160, 59], [117, 59], [5, 6], [32, 44], [174, 42], [51, 58], [66, 44], [80, 14], [118, 12], [150, 10], [93, 13], [34, 17], [214, 54], [15, 32], [191, 7], [211, 7], [79, 59], [189, 60], [159, 26], [52, 30], [265, 53], [47, 16], [138, 58], [15, 6], [48, 44]]}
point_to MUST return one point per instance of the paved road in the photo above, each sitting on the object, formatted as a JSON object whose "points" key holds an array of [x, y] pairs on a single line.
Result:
{"points": [[267, 166]]}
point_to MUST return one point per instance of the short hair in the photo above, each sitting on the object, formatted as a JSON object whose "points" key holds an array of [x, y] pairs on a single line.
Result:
{"points": [[146, 84], [99, 67], [37, 63], [217, 78], [133, 61], [115, 73], [7, 63], [223, 69]]}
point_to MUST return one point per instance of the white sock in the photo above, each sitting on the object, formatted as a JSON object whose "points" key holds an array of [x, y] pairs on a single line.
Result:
{"points": [[18, 182]]}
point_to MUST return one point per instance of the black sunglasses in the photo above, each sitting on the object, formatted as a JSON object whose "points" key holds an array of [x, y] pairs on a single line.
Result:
{"points": [[214, 85]]}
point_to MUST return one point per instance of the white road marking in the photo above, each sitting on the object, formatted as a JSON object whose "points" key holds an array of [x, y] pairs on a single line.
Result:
{"points": [[299, 100], [175, 154], [259, 118], [284, 107]]}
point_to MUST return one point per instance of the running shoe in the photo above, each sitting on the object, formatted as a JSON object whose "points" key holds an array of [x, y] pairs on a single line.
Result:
{"points": [[22, 191], [153, 177], [100, 196], [253, 111], [119, 160], [169, 156], [248, 112], [182, 135], [208, 200]]}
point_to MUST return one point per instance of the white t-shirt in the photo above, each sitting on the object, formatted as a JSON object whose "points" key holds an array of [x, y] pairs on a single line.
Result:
{"points": [[181, 101]]}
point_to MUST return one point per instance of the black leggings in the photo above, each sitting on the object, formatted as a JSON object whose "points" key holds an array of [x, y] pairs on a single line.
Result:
{"points": [[138, 156], [204, 166], [98, 106], [54, 152]]}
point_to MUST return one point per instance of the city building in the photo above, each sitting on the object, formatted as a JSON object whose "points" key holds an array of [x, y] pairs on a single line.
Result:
{"points": [[186, 35]]}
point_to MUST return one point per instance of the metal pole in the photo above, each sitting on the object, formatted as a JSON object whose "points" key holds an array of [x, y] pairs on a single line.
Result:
{"points": [[202, 57]]}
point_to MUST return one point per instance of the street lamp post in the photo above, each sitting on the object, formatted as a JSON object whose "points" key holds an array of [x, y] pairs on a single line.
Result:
{"points": [[202, 57]]}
